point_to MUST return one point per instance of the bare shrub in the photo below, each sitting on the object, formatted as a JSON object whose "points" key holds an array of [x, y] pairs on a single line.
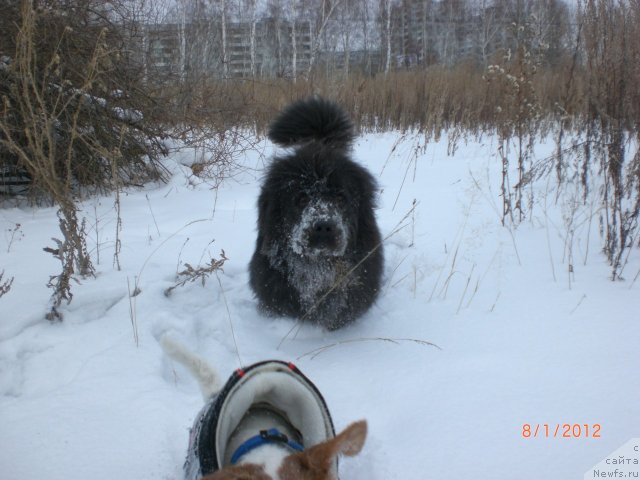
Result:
{"points": [[609, 119], [613, 116], [15, 233], [5, 286], [71, 101], [216, 152], [73, 255], [190, 274], [71, 117], [599, 107], [517, 115]]}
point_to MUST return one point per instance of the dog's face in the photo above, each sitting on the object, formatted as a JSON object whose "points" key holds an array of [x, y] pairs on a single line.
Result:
{"points": [[321, 225], [314, 210]]}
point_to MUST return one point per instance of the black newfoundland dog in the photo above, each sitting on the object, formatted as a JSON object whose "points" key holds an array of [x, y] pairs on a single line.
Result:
{"points": [[318, 254]]}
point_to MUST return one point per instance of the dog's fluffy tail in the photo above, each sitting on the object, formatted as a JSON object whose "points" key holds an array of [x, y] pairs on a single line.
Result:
{"points": [[312, 119], [203, 372]]}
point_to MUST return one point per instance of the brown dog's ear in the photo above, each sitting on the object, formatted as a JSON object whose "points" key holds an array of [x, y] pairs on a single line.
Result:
{"points": [[351, 440], [317, 463]]}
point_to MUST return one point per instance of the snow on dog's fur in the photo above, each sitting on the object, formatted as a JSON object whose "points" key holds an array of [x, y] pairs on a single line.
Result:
{"points": [[318, 254], [271, 461]]}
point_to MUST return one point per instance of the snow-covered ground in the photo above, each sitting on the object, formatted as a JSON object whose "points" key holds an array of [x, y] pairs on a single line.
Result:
{"points": [[518, 339]]}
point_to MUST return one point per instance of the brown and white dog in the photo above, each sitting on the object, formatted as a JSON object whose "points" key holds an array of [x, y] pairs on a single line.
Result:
{"points": [[275, 463], [268, 460]]}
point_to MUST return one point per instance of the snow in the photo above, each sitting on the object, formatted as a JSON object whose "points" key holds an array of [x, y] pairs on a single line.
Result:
{"points": [[318, 211], [518, 339]]}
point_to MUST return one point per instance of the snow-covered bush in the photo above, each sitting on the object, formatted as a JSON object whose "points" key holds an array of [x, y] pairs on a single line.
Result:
{"points": [[65, 123], [64, 120]]}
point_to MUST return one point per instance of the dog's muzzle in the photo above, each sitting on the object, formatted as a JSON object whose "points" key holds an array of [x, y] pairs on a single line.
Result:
{"points": [[320, 232], [324, 234]]}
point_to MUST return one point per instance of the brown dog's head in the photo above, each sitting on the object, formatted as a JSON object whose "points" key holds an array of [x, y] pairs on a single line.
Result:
{"points": [[315, 463]]}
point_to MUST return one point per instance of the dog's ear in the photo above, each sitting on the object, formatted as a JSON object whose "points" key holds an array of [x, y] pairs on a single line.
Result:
{"points": [[317, 462], [351, 440]]}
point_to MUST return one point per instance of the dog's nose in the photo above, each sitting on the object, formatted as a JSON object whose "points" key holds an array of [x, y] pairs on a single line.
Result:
{"points": [[323, 227], [323, 233]]}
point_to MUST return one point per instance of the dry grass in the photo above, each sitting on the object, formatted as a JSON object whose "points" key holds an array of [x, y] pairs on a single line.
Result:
{"points": [[433, 100], [66, 121], [5, 285], [200, 273], [64, 117]]}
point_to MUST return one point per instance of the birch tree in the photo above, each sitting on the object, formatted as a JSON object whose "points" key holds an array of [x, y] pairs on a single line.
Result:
{"points": [[326, 11], [488, 29], [223, 29], [385, 14]]}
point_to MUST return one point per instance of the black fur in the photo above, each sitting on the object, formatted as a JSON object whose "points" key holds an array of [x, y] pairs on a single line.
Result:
{"points": [[318, 253], [313, 119]]}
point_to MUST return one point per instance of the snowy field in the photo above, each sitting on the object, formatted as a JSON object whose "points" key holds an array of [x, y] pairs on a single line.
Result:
{"points": [[479, 331]]}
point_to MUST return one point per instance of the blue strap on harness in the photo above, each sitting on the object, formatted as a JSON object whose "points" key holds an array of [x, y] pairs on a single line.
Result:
{"points": [[273, 435]]}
